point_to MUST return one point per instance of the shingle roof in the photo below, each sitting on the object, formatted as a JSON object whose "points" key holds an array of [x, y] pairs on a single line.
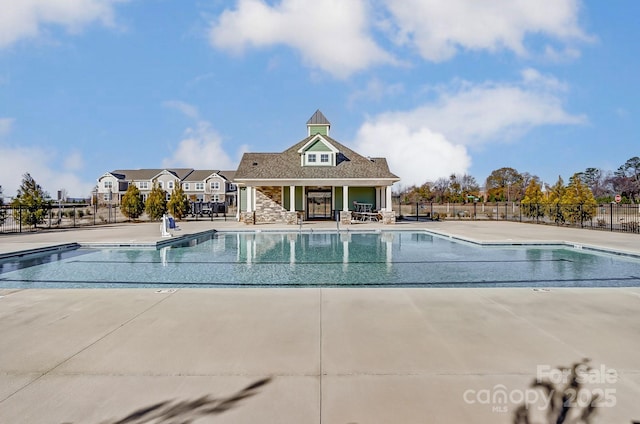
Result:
{"points": [[148, 174], [318, 119], [200, 175], [287, 165]]}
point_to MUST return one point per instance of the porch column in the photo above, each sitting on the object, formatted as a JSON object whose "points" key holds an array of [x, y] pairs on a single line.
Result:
{"points": [[345, 198], [292, 198], [249, 199], [388, 205]]}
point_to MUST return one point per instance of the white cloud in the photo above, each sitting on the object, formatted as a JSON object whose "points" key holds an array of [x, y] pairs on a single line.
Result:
{"points": [[186, 109], [73, 162], [331, 35], [375, 91], [431, 141], [200, 148], [438, 29], [416, 155], [41, 164], [22, 19], [5, 126]]}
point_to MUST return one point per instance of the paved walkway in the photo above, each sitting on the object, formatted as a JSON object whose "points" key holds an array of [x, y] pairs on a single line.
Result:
{"points": [[339, 356]]}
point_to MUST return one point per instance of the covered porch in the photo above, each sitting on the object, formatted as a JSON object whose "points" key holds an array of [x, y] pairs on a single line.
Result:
{"points": [[289, 203]]}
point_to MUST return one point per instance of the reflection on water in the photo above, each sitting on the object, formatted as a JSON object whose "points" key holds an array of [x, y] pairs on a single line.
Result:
{"points": [[378, 259]]}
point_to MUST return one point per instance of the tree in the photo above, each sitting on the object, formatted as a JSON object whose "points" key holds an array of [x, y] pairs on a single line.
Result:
{"points": [[132, 205], [31, 202], [178, 205], [156, 204], [554, 201], [598, 183], [532, 203], [626, 179], [579, 205], [439, 189], [504, 184]]}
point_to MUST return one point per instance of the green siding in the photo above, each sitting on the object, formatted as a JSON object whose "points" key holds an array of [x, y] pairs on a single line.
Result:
{"points": [[362, 195], [243, 199], [319, 129], [318, 146], [286, 202], [337, 195], [299, 199]]}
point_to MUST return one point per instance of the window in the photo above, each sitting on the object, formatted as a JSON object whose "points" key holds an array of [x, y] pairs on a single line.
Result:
{"points": [[215, 185], [185, 186], [324, 158], [215, 198], [232, 187], [311, 158], [108, 184], [161, 184], [144, 185], [170, 185], [199, 186]]}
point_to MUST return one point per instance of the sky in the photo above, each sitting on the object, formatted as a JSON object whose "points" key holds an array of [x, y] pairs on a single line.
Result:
{"points": [[548, 87]]}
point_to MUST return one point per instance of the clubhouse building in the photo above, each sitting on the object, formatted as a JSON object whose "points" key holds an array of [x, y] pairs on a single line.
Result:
{"points": [[317, 178]]}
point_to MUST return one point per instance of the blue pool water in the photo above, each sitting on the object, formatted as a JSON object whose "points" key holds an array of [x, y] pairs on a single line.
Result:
{"points": [[397, 259]]}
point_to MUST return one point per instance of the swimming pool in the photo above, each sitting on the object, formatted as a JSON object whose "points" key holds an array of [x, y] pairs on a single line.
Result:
{"points": [[323, 259]]}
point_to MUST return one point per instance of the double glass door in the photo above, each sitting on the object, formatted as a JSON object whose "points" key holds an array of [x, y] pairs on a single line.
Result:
{"points": [[319, 204]]}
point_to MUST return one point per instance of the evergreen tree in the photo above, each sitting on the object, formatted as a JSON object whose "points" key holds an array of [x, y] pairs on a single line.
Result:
{"points": [[132, 205], [579, 205], [156, 204], [179, 203], [31, 202], [554, 201], [532, 203]]}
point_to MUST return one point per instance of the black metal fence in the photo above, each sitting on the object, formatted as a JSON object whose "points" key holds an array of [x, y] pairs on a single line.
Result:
{"points": [[18, 220], [605, 217]]}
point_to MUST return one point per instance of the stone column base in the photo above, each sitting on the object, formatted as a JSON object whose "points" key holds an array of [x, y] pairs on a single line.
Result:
{"points": [[388, 217], [345, 217], [291, 218], [248, 218]]}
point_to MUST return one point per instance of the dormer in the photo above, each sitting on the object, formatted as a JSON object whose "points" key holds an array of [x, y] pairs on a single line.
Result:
{"points": [[318, 124], [318, 152]]}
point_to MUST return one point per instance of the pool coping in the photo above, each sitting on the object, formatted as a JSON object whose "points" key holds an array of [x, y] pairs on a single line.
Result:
{"points": [[104, 245], [540, 243]]}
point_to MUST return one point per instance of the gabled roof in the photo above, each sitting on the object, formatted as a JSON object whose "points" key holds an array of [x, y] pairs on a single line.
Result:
{"points": [[149, 174], [313, 140], [318, 119], [287, 165], [199, 175]]}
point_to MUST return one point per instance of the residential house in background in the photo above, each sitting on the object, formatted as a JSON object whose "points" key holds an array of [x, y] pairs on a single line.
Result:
{"points": [[198, 185]]}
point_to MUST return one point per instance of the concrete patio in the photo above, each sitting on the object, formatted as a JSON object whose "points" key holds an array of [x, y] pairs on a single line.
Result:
{"points": [[311, 355]]}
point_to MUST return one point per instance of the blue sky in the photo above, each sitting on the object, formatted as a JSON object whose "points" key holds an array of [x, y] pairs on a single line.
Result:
{"points": [[549, 87]]}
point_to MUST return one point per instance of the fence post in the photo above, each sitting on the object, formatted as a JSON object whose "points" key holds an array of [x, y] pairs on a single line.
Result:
{"points": [[610, 216], [520, 211], [417, 211]]}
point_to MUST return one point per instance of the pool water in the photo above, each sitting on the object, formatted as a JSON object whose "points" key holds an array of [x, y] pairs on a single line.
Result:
{"points": [[383, 259]]}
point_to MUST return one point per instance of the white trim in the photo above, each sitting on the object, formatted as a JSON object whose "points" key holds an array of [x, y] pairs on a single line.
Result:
{"points": [[320, 138]]}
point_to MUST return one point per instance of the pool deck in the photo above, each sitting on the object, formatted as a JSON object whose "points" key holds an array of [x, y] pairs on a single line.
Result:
{"points": [[366, 356]]}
